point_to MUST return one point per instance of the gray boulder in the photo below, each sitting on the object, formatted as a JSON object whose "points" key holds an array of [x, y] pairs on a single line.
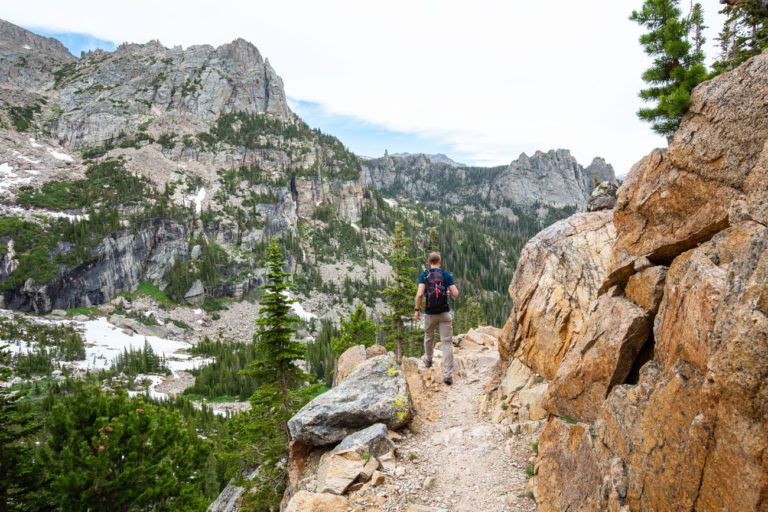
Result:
{"points": [[373, 440], [376, 392], [603, 197]]}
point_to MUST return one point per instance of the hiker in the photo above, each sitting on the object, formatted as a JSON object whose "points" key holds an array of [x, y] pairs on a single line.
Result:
{"points": [[437, 284]]}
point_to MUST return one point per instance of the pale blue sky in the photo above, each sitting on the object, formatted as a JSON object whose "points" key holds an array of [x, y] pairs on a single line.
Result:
{"points": [[481, 82]]}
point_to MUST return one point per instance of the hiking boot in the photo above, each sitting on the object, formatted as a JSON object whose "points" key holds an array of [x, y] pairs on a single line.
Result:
{"points": [[428, 364], [448, 380]]}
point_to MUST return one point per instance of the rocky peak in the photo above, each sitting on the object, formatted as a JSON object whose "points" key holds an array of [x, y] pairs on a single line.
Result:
{"points": [[437, 158], [27, 60], [15, 37], [552, 178], [105, 95]]}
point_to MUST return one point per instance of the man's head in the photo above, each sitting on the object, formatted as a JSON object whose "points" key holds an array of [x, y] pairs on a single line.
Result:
{"points": [[434, 258]]}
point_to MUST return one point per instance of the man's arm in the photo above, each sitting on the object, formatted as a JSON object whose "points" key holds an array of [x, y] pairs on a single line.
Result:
{"points": [[419, 296], [453, 291]]}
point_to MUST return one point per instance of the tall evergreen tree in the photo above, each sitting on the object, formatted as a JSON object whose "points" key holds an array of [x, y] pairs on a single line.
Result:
{"points": [[276, 351], [280, 394], [675, 42], [401, 290], [744, 33]]}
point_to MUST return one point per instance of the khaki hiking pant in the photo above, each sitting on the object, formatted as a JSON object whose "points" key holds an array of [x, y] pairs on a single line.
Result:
{"points": [[442, 321]]}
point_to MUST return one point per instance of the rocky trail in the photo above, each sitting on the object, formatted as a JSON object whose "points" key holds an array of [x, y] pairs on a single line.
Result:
{"points": [[457, 459], [453, 457]]}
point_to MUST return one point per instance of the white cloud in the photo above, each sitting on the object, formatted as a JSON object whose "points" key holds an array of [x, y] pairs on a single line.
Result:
{"points": [[491, 78]]}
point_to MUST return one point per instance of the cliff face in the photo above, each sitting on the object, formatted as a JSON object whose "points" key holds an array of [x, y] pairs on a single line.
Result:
{"points": [[208, 128], [105, 94], [658, 393], [554, 178]]}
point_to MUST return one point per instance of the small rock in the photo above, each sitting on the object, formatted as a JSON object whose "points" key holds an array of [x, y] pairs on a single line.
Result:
{"points": [[305, 501], [378, 478], [370, 467], [373, 440], [338, 471]]}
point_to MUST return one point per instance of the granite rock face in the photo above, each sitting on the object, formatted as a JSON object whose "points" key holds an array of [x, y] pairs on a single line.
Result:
{"points": [[714, 174], [557, 278], [118, 263], [554, 178], [673, 417], [27, 60], [106, 93], [375, 392]]}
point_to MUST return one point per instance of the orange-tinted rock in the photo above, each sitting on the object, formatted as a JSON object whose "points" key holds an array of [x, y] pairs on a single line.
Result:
{"points": [[715, 173], [348, 361], [690, 432], [568, 477], [557, 277], [736, 390], [304, 501], [646, 288], [601, 358]]}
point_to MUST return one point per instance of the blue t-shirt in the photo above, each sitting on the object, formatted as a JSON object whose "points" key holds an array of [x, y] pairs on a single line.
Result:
{"points": [[447, 281]]}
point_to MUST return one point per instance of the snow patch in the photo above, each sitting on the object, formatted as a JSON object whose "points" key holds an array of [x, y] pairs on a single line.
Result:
{"points": [[59, 155], [155, 380], [197, 198], [39, 212], [8, 178], [26, 47], [104, 342], [34, 143], [298, 309]]}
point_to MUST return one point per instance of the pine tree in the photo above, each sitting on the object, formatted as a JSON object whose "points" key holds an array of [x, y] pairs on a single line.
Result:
{"points": [[675, 42], [744, 33], [321, 358], [276, 350], [97, 454], [401, 290], [264, 431], [19, 479]]}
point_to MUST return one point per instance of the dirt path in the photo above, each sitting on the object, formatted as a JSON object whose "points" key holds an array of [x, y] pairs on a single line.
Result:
{"points": [[456, 459]]}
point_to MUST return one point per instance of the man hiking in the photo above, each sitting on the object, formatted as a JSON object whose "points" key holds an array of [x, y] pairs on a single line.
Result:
{"points": [[437, 285]]}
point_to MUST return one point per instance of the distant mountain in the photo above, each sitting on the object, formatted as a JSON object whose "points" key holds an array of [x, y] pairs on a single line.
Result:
{"points": [[553, 178], [437, 158]]}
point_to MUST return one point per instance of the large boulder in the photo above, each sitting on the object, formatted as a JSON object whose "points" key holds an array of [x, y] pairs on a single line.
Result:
{"points": [[603, 196], [601, 358], [686, 428], [373, 441], [376, 392], [557, 278], [714, 173]]}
